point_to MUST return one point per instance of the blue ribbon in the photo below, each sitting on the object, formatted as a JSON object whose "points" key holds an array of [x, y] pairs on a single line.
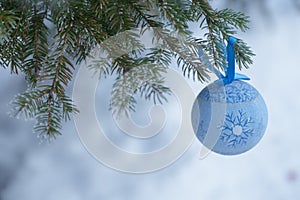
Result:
{"points": [[230, 74], [230, 71]]}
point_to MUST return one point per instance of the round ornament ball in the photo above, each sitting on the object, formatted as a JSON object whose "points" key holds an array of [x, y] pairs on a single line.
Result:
{"points": [[229, 118]]}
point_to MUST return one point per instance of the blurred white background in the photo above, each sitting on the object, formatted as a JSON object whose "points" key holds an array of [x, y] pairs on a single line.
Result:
{"points": [[63, 169]]}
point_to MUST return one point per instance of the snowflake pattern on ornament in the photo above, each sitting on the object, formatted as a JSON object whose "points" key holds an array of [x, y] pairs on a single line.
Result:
{"points": [[236, 92], [236, 129]]}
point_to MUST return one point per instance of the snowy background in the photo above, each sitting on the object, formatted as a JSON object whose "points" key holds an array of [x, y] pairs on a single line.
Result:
{"points": [[64, 170]]}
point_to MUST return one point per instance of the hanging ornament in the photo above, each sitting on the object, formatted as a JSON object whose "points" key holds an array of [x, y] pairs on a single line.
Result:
{"points": [[229, 115]]}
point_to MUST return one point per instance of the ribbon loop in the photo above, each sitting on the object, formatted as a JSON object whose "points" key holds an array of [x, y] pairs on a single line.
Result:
{"points": [[230, 71], [230, 74]]}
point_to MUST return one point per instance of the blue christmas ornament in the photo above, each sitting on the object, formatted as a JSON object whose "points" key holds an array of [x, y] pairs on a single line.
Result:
{"points": [[229, 115]]}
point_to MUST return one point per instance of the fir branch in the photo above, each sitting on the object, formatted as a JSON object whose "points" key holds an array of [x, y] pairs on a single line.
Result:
{"points": [[185, 49], [189, 61], [178, 16], [36, 45], [28, 103], [36, 52], [48, 54], [147, 79], [13, 46], [243, 54], [8, 21], [142, 15], [220, 25]]}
